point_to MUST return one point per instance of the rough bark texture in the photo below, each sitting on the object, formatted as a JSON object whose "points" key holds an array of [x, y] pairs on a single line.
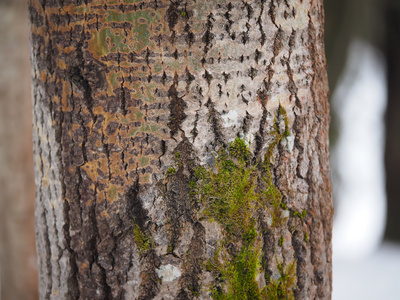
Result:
{"points": [[132, 99], [18, 274]]}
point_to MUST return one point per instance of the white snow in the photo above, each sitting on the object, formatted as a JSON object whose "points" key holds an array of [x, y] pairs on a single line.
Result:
{"points": [[376, 277]]}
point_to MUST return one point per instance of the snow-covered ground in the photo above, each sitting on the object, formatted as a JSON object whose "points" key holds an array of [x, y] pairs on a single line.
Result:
{"points": [[376, 277]]}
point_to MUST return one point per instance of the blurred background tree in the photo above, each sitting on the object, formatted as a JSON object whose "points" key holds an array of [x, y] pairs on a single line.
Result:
{"points": [[17, 192], [391, 48], [378, 24]]}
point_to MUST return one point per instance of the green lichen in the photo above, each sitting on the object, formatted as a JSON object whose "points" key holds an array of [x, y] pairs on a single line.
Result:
{"points": [[112, 193], [150, 128], [144, 161], [280, 242]]}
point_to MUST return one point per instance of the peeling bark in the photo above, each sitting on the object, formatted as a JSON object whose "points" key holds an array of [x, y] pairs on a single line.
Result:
{"points": [[131, 98]]}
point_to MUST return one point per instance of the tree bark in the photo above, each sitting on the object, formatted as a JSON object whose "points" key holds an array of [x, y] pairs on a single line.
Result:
{"points": [[181, 149]]}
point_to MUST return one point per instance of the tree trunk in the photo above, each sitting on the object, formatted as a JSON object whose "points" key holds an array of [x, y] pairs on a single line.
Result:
{"points": [[181, 149], [392, 141], [18, 273]]}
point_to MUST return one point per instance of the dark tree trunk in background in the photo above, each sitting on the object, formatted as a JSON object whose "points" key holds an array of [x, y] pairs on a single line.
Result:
{"points": [[181, 149], [347, 20], [392, 146]]}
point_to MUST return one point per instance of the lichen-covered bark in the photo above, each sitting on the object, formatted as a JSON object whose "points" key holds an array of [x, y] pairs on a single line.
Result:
{"points": [[131, 98]]}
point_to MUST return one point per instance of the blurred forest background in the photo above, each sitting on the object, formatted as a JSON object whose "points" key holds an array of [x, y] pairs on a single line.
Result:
{"points": [[363, 52]]}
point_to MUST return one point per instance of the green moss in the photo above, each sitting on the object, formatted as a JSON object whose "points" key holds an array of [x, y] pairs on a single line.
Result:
{"points": [[272, 195], [192, 188], [143, 242], [231, 193], [170, 248], [228, 195], [193, 290], [306, 238], [171, 171], [280, 242], [282, 112], [177, 156], [283, 287], [200, 173], [300, 215], [239, 150], [284, 206], [178, 159], [275, 200], [240, 276]]}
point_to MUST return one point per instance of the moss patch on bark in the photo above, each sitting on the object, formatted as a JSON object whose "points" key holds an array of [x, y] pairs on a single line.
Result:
{"points": [[282, 288], [142, 240], [233, 193]]}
